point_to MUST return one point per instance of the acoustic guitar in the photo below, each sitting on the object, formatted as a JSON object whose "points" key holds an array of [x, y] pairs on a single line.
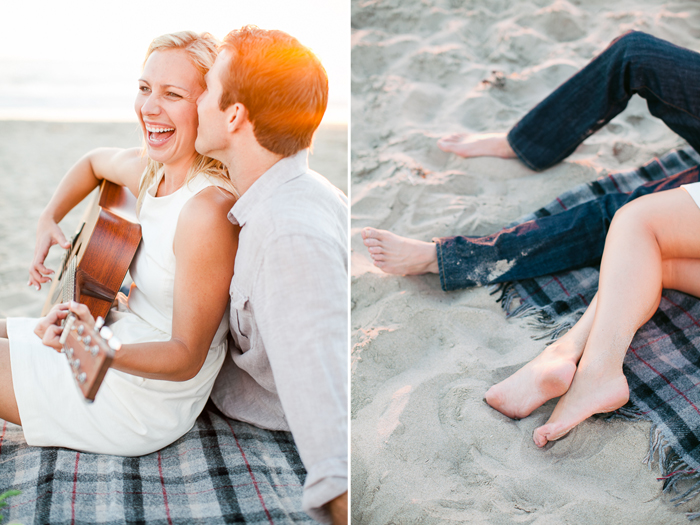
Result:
{"points": [[92, 271]]}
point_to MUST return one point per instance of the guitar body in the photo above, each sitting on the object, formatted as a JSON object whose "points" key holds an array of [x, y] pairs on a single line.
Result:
{"points": [[101, 252]]}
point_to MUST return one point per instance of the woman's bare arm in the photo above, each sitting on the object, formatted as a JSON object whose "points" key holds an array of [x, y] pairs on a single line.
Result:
{"points": [[205, 249], [121, 166]]}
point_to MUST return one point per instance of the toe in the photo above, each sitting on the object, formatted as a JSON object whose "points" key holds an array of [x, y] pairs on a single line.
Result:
{"points": [[371, 242], [375, 249], [538, 436], [370, 233]]}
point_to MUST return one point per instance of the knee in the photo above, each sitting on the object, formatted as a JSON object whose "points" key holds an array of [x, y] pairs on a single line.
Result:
{"points": [[631, 217], [632, 40], [636, 48]]}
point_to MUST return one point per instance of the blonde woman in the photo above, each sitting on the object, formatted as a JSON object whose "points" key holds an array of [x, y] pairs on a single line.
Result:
{"points": [[174, 323]]}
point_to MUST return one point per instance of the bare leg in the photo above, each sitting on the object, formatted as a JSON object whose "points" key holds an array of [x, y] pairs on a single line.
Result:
{"points": [[400, 255], [643, 234], [3, 329], [477, 145], [8, 403], [545, 377]]}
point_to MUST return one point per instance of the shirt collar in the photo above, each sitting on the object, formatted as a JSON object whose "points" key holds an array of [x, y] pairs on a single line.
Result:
{"points": [[283, 171]]}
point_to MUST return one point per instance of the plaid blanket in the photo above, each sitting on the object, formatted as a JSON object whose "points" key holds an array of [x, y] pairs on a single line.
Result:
{"points": [[221, 471], [662, 365]]}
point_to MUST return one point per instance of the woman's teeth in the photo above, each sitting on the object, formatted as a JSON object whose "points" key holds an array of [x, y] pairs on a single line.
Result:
{"points": [[157, 134]]}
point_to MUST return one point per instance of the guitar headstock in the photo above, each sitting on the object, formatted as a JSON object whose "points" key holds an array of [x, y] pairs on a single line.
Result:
{"points": [[89, 352]]}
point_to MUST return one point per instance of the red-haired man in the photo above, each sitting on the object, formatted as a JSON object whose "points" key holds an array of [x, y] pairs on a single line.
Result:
{"points": [[287, 370]]}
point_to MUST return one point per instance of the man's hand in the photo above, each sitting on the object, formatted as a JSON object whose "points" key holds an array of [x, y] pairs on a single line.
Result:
{"points": [[338, 508]]}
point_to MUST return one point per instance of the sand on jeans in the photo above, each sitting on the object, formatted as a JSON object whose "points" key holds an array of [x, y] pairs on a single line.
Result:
{"points": [[425, 447]]}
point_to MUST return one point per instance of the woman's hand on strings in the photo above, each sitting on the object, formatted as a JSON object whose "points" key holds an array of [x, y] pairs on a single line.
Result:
{"points": [[49, 328]]}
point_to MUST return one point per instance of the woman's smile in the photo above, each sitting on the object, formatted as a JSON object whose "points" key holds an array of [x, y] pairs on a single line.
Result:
{"points": [[158, 135]]}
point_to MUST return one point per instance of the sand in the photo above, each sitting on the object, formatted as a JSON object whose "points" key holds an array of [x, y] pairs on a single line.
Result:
{"points": [[33, 158], [425, 447]]}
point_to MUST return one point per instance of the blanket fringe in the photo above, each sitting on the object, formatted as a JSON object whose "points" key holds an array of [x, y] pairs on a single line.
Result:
{"points": [[673, 469], [546, 327]]}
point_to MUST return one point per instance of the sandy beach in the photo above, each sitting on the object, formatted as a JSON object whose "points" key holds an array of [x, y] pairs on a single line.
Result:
{"points": [[33, 158], [425, 447]]}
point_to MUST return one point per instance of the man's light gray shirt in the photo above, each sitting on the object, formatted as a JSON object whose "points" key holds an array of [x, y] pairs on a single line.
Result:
{"points": [[287, 366]]}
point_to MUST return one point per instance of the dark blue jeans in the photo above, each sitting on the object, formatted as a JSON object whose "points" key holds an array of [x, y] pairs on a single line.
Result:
{"points": [[667, 76]]}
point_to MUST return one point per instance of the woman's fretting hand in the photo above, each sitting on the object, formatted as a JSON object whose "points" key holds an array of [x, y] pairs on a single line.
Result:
{"points": [[48, 233]]}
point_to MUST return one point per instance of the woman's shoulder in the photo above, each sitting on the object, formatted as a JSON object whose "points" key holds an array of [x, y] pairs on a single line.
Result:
{"points": [[208, 207], [204, 218]]}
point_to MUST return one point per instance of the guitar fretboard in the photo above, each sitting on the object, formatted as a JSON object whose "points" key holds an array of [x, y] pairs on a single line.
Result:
{"points": [[68, 292]]}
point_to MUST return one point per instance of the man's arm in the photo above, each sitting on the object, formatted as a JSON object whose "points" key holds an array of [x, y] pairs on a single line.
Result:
{"points": [[301, 309]]}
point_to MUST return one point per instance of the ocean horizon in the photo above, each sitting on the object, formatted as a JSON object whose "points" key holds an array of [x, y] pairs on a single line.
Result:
{"points": [[72, 91]]}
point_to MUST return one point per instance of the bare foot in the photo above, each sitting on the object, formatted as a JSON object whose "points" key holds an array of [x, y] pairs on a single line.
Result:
{"points": [[545, 377], [477, 145], [400, 255], [591, 392]]}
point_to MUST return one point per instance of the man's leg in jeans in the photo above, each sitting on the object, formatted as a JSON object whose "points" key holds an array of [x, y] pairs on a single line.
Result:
{"points": [[564, 241], [567, 240], [664, 74]]}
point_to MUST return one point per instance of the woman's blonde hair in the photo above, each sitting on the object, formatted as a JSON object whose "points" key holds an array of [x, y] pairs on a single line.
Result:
{"points": [[201, 50]]}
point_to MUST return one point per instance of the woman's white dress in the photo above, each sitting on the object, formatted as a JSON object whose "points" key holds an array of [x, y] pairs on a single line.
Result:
{"points": [[131, 415]]}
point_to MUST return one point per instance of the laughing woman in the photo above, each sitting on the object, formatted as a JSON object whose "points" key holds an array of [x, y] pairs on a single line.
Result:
{"points": [[174, 322]]}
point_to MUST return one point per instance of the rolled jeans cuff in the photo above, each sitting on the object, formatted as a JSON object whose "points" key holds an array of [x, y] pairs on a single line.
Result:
{"points": [[519, 144], [452, 269]]}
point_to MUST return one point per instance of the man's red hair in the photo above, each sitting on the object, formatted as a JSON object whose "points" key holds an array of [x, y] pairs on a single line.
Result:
{"points": [[281, 83]]}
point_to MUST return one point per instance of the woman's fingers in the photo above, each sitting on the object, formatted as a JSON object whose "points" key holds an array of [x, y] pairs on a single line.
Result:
{"points": [[53, 318], [82, 312], [52, 337], [49, 328], [47, 236]]}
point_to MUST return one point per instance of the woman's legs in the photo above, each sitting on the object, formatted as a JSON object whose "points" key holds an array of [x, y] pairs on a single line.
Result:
{"points": [[547, 376], [642, 236]]}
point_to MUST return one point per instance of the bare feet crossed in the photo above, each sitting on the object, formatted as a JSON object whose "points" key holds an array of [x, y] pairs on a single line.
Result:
{"points": [[545, 377], [477, 145], [594, 390], [400, 255]]}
